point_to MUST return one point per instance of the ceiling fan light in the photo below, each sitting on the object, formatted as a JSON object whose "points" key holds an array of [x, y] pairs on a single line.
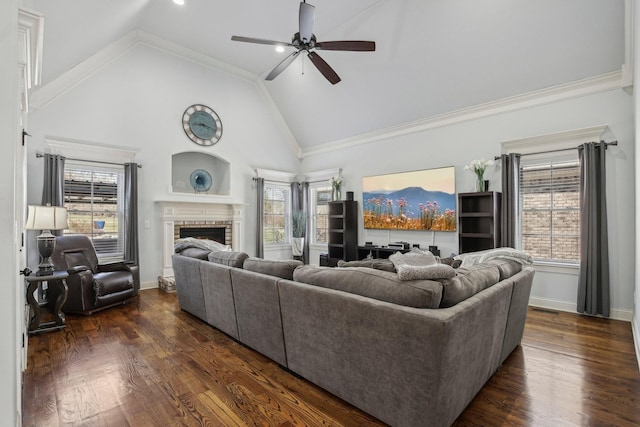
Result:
{"points": [[280, 48], [179, 2]]}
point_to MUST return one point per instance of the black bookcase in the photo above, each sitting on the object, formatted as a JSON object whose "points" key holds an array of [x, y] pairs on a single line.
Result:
{"points": [[343, 230], [479, 221]]}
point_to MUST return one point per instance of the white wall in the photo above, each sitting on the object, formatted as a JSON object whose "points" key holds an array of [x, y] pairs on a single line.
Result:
{"points": [[9, 371], [137, 102], [458, 144], [636, 115]]}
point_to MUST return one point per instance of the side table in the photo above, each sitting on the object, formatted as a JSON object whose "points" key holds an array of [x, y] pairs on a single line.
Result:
{"points": [[57, 291]]}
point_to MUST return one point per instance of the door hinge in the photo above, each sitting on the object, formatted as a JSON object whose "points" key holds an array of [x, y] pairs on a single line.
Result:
{"points": [[22, 239], [24, 133]]}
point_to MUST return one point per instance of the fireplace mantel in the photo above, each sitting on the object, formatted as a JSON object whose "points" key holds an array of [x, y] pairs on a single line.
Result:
{"points": [[196, 208]]}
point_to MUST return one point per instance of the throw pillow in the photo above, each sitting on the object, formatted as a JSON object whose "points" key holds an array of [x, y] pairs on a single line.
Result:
{"points": [[414, 257], [417, 272]]}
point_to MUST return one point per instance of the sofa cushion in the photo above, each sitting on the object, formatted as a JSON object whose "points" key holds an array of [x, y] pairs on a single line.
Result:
{"points": [[506, 267], [196, 253], [376, 284], [467, 282], [376, 263], [228, 258], [278, 268]]}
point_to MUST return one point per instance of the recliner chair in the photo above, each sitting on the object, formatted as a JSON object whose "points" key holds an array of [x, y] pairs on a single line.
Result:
{"points": [[93, 286]]}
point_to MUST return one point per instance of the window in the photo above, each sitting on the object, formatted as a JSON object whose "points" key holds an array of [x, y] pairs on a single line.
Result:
{"points": [[550, 211], [320, 196], [94, 201], [277, 202]]}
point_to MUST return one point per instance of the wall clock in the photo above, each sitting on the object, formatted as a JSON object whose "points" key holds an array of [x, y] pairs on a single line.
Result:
{"points": [[202, 125]]}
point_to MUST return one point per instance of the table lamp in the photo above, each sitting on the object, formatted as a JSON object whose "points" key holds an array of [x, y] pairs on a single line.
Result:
{"points": [[46, 218]]}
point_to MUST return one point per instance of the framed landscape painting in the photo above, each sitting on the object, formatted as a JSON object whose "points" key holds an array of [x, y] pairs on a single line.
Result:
{"points": [[423, 200]]}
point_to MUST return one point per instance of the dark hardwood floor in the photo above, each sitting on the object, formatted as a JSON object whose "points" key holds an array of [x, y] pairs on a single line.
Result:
{"points": [[150, 364]]}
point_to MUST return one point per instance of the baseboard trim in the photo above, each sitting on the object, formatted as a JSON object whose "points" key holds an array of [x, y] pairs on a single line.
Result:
{"points": [[636, 339], [149, 285], [616, 313]]}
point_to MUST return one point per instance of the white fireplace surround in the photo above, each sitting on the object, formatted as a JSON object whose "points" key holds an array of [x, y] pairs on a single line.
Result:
{"points": [[205, 212]]}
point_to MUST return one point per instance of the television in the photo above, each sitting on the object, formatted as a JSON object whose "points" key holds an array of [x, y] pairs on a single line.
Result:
{"points": [[423, 200]]}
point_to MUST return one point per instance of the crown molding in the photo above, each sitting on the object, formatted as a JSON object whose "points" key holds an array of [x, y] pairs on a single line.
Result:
{"points": [[554, 141], [90, 151], [589, 86], [49, 92]]}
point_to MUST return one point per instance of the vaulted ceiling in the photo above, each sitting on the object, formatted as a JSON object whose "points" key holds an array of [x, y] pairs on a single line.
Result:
{"points": [[433, 56]]}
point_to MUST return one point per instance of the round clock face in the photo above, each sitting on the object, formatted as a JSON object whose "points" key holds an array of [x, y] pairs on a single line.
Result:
{"points": [[202, 125]]}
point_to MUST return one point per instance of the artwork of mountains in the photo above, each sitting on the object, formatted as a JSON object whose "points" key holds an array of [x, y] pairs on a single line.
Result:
{"points": [[420, 200]]}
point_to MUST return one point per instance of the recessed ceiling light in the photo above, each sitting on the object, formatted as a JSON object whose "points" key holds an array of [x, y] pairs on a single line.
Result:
{"points": [[179, 2], [280, 49]]}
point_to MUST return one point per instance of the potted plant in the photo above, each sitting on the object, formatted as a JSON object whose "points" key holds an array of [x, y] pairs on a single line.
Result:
{"points": [[298, 225]]}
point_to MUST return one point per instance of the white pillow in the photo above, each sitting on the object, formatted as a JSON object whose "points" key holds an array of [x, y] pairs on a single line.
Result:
{"points": [[420, 265], [414, 257]]}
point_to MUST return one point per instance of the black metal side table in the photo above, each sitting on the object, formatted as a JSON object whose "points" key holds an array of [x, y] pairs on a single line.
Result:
{"points": [[57, 297]]}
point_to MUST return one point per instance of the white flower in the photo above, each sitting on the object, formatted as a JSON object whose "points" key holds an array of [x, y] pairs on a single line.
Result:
{"points": [[479, 166], [336, 181]]}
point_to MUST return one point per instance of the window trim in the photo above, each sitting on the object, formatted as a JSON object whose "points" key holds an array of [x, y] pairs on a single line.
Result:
{"points": [[554, 141], [117, 255], [287, 215], [313, 212]]}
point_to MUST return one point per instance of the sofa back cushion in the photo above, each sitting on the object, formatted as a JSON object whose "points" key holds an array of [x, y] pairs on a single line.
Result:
{"points": [[376, 284], [377, 263], [278, 268], [196, 253], [468, 281], [507, 268], [228, 258]]}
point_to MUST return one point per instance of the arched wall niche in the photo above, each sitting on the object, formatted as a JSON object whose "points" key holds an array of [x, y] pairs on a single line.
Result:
{"points": [[184, 164]]}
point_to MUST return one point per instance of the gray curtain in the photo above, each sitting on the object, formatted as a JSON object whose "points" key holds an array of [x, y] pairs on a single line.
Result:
{"points": [[510, 228], [593, 282], [260, 217], [131, 212], [304, 188], [53, 186]]}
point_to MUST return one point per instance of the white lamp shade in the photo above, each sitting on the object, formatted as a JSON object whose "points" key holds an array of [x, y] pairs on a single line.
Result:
{"points": [[46, 218]]}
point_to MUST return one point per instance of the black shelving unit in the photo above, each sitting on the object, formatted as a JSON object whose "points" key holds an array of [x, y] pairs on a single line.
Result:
{"points": [[343, 230], [479, 221]]}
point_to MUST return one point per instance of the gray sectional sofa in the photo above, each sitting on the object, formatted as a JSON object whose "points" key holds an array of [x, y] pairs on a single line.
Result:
{"points": [[411, 353]]}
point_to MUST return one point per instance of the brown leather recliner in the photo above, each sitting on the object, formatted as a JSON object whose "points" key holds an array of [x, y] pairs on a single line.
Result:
{"points": [[93, 286]]}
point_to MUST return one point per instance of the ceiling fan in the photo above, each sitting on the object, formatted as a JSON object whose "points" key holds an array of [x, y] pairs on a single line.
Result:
{"points": [[305, 41]]}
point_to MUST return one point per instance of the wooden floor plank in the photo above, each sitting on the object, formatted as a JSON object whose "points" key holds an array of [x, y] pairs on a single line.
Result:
{"points": [[151, 364]]}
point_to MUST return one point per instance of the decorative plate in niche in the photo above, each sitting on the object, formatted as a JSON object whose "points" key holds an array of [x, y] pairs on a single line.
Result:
{"points": [[200, 180]]}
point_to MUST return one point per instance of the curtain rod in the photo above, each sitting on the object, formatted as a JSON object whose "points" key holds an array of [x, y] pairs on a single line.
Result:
{"points": [[607, 144], [89, 161]]}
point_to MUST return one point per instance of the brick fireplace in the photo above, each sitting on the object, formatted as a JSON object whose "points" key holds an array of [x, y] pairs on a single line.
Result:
{"points": [[176, 216]]}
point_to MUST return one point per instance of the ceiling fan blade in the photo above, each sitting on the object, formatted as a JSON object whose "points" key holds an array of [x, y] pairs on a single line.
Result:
{"points": [[259, 41], [324, 68], [350, 45], [305, 20], [282, 65]]}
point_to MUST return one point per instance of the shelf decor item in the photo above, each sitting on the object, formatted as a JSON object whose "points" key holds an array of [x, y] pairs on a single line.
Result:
{"points": [[479, 167], [200, 180], [336, 184]]}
